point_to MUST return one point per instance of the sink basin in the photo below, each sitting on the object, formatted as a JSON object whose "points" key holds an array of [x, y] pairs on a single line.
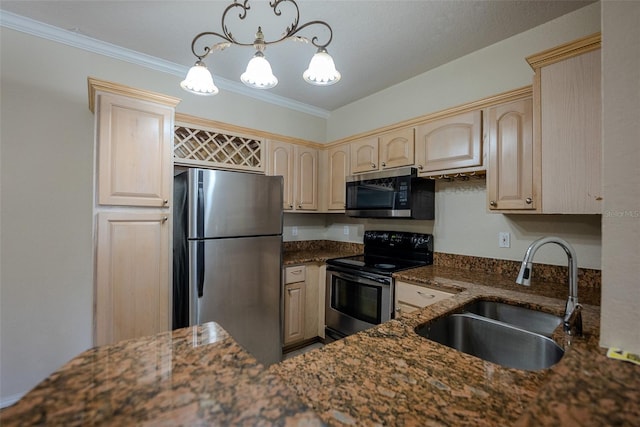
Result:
{"points": [[493, 341], [524, 318]]}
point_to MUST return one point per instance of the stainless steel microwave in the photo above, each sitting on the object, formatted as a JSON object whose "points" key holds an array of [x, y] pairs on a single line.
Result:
{"points": [[394, 193]]}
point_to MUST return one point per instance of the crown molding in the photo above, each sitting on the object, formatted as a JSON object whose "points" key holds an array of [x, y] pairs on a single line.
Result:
{"points": [[70, 38]]}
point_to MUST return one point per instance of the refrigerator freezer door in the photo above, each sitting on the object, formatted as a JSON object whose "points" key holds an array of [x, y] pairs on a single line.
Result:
{"points": [[240, 287], [231, 204]]}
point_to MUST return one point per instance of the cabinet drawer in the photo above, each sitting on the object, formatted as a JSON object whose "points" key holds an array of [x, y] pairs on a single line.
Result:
{"points": [[294, 274], [419, 296]]}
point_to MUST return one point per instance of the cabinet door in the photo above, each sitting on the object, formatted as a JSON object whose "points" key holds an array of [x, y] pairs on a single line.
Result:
{"points": [[132, 276], [135, 140], [397, 148], [510, 171], [450, 143], [570, 135], [338, 171], [294, 300], [364, 155], [306, 184], [281, 163]]}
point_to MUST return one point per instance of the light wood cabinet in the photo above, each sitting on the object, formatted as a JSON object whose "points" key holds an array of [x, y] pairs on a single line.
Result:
{"points": [[306, 182], [567, 126], [298, 165], [134, 143], [294, 304], [364, 155], [510, 184], [385, 151], [134, 192], [132, 275], [294, 298], [397, 148], [337, 171], [281, 162], [451, 144], [410, 297]]}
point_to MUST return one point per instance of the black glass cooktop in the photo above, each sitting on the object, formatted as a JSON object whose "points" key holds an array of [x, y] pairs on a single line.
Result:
{"points": [[375, 264]]}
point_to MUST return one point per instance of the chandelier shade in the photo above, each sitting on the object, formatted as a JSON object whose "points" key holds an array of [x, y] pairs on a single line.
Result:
{"points": [[322, 70], [258, 74], [199, 80]]}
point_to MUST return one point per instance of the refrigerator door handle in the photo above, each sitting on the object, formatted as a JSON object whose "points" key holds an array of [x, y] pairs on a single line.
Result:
{"points": [[200, 258]]}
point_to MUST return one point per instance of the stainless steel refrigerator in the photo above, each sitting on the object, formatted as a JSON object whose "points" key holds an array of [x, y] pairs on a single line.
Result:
{"points": [[228, 256]]}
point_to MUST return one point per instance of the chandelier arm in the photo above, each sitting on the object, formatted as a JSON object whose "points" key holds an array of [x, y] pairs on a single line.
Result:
{"points": [[207, 49], [314, 40]]}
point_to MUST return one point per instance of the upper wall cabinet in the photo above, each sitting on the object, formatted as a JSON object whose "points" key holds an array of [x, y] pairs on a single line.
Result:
{"points": [[397, 148], [510, 170], [337, 171], [134, 141], [364, 155], [199, 143], [450, 145], [385, 151], [298, 165], [567, 126]]}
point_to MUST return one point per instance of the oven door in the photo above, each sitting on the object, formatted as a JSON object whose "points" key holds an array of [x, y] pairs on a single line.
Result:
{"points": [[356, 301]]}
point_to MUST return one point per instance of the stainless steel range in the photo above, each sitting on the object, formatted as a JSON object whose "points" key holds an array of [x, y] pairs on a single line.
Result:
{"points": [[360, 290]]}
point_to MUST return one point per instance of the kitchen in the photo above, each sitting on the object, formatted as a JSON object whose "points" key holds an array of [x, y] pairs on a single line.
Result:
{"points": [[62, 327]]}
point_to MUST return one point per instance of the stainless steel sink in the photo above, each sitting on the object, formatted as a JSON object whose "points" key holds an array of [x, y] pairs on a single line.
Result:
{"points": [[493, 341], [524, 318]]}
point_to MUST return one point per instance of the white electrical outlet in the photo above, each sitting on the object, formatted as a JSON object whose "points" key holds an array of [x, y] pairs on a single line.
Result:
{"points": [[346, 230], [504, 239], [294, 231]]}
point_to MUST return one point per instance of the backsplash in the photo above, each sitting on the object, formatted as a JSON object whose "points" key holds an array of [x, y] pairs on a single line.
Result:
{"points": [[316, 245], [587, 277]]}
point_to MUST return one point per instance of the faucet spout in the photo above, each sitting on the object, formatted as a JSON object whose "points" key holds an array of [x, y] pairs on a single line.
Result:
{"points": [[572, 316]]}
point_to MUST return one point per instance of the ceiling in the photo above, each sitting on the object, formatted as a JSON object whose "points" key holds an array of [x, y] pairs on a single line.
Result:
{"points": [[376, 44]]}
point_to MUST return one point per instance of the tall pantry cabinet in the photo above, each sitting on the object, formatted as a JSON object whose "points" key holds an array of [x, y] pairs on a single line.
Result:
{"points": [[133, 197]]}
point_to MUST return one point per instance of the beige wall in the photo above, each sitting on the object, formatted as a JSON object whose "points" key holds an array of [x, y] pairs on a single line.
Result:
{"points": [[46, 272], [621, 176]]}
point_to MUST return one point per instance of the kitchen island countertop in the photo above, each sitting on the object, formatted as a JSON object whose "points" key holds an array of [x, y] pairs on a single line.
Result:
{"points": [[388, 375], [195, 376]]}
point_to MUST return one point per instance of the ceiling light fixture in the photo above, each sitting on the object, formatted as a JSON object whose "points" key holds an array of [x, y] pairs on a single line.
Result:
{"points": [[321, 71]]}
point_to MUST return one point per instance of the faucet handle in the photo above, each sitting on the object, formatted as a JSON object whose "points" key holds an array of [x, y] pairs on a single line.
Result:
{"points": [[572, 323]]}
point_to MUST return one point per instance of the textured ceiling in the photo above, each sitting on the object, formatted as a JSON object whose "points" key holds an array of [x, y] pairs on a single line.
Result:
{"points": [[376, 44]]}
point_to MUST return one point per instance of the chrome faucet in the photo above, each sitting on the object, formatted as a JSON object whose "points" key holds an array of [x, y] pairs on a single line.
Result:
{"points": [[572, 314]]}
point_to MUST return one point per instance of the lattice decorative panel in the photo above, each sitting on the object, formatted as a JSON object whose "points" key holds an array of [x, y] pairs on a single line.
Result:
{"points": [[202, 147]]}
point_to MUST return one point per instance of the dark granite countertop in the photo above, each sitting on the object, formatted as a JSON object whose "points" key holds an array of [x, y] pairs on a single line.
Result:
{"points": [[196, 376], [388, 375]]}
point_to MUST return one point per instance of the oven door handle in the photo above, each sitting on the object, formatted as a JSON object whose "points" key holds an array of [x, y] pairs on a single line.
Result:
{"points": [[359, 278]]}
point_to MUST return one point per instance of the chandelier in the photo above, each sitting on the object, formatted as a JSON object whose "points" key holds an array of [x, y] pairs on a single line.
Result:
{"points": [[321, 71]]}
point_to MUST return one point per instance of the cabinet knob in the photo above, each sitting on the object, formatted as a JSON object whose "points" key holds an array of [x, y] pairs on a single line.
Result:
{"points": [[384, 164], [291, 206], [420, 167], [165, 201], [493, 203], [373, 165], [164, 219], [528, 200], [299, 206]]}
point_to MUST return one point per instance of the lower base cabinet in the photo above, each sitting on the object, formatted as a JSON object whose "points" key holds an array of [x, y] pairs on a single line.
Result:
{"points": [[294, 297], [411, 297], [132, 276], [303, 303]]}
